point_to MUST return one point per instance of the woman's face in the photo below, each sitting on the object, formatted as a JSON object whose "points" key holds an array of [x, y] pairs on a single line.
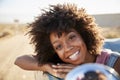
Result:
{"points": [[70, 47]]}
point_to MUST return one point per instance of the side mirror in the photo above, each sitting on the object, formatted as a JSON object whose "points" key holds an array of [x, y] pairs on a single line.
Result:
{"points": [[92, 71]]}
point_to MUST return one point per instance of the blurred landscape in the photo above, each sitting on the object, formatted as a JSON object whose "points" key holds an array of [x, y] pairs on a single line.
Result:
{"points": [[14, 42], [14, 16], [110, 24]]}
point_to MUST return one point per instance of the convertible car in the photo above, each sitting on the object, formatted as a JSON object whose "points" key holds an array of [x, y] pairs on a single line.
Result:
{"points": [[113, 44]]}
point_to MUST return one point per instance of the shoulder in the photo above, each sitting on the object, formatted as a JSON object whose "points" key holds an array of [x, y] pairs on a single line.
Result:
{"points": [[103, 56], [109, 58], [113, 58], [117, 65], [114, 61]]}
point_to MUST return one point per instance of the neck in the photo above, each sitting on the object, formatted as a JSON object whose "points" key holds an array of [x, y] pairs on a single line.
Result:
{"points": [[90, 58]]}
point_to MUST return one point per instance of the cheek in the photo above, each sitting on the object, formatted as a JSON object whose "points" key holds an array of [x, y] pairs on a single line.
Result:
{"points": [[82, 45], [78, 42], [81, 42], [60, 54]]}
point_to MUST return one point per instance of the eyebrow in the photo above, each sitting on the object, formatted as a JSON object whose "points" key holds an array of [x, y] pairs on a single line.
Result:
{"points": [[59, 37], [54, 42]]}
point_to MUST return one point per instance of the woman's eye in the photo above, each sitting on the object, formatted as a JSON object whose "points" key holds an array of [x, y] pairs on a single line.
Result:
{"points": [[72, 37], [58, 47]]}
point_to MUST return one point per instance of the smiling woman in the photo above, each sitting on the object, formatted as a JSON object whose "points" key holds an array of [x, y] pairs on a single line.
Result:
{"points": [[65, 37], [70, 47]]}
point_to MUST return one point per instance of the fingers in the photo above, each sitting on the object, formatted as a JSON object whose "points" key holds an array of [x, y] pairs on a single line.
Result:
{"points": [[61, 70], [55, 72], [64, 66], [59, 74]]}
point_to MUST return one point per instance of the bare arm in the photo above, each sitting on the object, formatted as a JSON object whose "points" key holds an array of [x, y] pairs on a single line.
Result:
{"points": [[28, 62]]}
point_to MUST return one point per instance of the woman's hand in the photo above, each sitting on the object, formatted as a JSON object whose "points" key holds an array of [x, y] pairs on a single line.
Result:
{"points": [[59, 70], [29, 62]]}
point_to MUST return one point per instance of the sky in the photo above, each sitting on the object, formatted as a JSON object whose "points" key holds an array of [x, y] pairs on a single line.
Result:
{"points": [[26, 10]]}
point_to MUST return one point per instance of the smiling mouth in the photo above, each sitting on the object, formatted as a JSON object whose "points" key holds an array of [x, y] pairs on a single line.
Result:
{"points": [[74, 56]]}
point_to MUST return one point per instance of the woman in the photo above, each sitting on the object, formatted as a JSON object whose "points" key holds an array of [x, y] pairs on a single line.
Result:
{"points": [[65, 37]]}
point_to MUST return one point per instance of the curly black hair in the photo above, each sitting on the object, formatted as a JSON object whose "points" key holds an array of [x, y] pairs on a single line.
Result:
{"points": [[61, 18]]}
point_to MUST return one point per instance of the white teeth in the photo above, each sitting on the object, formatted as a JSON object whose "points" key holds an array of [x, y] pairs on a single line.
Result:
{"points": [[74, 56]]}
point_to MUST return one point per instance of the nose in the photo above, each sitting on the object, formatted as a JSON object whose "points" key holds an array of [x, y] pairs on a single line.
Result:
{"points": [[67, 46]]}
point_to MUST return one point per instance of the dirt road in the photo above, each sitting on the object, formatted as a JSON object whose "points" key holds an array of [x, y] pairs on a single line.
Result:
{"points": [[9, 49]]}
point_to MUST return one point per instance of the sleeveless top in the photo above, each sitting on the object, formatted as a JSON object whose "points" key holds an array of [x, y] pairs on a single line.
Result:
{"points": [[108, 57]]}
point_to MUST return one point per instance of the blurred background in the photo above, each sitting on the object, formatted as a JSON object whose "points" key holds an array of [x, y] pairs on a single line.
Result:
{"points": [[15, 15]]}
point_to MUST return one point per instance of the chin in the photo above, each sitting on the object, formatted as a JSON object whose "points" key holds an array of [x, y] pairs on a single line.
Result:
{"points": [[76, 63]]}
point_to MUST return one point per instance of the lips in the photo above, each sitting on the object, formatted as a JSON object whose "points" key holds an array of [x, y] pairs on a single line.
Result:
{"points": [[74, 56]]}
